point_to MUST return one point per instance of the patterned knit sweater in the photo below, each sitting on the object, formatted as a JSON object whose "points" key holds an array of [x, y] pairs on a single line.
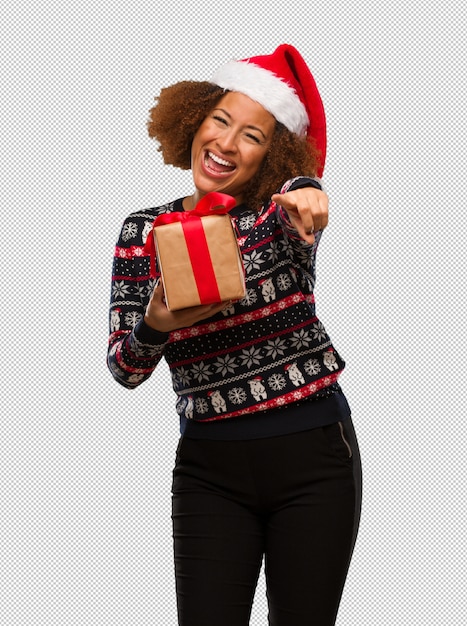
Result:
{"points": [[266, 351]]}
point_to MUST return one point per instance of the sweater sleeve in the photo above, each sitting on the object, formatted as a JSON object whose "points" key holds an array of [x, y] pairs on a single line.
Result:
{"points": [[134, 349], [302, 251]]}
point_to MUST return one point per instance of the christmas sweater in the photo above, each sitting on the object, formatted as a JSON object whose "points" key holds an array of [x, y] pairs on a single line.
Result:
{"points": [[263, 352]]}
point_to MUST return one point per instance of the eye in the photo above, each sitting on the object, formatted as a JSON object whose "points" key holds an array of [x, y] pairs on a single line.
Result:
{"points": [[220, 119], [253, 138]]}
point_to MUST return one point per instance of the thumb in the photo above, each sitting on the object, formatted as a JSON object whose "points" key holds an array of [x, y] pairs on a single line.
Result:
{"points": [[158, 291], [279, 198]]}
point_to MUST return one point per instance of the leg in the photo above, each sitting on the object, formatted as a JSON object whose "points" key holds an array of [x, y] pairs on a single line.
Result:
{"points": [[218, 541], [310, 537]]}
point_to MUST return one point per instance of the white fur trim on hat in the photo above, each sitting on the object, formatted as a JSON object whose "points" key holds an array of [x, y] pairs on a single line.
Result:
{"points": [[269, 90]]}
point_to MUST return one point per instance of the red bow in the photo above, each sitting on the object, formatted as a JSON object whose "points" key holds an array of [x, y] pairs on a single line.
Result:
{"points": [[213, 203]]}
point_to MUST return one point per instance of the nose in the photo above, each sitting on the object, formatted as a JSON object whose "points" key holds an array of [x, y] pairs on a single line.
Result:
{"points": [[227, 140]]}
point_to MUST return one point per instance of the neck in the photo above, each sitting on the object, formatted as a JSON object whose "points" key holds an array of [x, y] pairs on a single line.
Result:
{"points": [[188, 203]]}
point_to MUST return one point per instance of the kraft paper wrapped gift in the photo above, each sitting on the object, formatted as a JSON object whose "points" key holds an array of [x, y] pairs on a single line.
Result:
{"points": [[198, 254]]}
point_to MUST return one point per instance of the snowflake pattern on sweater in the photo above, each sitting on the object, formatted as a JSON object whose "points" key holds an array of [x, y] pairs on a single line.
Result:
{"points": [[264, 351]]}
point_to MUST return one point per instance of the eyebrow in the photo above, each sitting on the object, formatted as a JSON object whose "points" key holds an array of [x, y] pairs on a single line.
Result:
{"points": [[248, 126]]}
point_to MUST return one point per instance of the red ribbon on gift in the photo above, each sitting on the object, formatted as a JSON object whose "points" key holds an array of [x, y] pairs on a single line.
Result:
{"points": [[213, 203]]}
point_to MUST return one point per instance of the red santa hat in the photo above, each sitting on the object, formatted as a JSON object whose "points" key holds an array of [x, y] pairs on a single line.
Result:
{"points": [[282, 83]]}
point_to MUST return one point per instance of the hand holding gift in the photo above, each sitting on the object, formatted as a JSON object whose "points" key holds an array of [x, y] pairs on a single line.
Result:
{"points": [[198, 257], [159, 317]]}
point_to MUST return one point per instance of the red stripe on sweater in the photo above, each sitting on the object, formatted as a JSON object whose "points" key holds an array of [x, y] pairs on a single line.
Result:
{"points": [[292, 396], [130, 252], [237, 320]]}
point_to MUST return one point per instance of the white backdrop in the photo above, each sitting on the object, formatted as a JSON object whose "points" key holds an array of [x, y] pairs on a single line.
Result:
{"points": [[85, 466]]}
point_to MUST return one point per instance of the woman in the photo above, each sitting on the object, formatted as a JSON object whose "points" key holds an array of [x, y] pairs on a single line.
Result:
{"points": [[267, 463]]}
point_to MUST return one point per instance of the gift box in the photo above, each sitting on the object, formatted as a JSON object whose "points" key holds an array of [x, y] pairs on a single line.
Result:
{"points": [[198, 255]]}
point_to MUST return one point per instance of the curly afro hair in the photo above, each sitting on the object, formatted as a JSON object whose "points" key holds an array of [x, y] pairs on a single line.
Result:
{"points": [[181, 108]]}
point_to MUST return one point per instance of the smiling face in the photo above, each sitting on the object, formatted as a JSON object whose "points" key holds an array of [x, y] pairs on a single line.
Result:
{"points": [[230, 145]]}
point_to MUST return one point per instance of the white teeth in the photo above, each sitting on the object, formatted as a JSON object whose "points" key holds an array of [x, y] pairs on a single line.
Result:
{"points": [[220, 161]]}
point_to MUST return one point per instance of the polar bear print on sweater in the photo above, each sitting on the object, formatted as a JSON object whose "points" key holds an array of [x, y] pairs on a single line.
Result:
{"points": [[258, 390], [115, 320], [329, 360], [229, 310], [189, 409], [295, 375], [267, 289], [147, 228], [217, 401]]}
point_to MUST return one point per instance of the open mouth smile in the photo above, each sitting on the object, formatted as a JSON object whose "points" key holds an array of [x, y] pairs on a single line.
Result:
{"points": [[216, 165]]}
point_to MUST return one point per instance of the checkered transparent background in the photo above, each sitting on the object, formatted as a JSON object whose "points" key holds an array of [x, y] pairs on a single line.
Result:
{"points": [[85, 466]]}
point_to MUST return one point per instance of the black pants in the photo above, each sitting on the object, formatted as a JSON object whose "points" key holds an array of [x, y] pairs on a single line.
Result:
{"points": [[294, 499]]}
